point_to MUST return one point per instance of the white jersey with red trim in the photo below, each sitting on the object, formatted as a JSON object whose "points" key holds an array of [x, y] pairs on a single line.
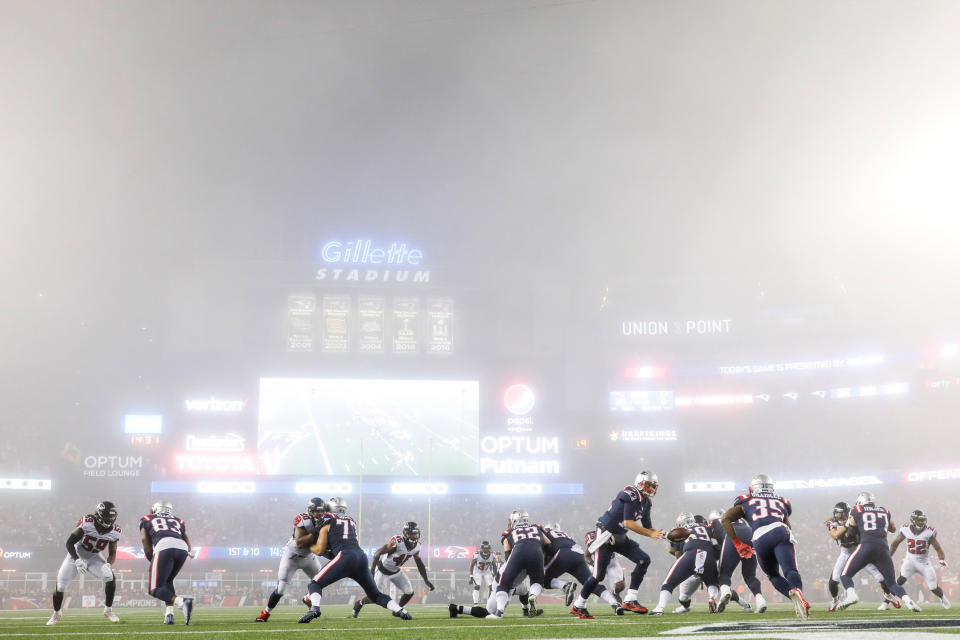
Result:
{"points": [[918, 544], [93, 540], [301, 520], [393, 560], [486, 564]]}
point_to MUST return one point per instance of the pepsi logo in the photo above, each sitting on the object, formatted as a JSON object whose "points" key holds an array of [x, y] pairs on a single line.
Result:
{"points": [[519, 399]]}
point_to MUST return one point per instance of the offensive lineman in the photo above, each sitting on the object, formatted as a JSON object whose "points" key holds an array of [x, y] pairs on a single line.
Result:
{"points": [[93, 533], [633, 503], [768, 515], [337, 532], [483, 570], [296, 554], [397, 550], [729, 559], [697, 558], [614, 569], [166, 546], [523, 545], [564, 556], [919, 539]]}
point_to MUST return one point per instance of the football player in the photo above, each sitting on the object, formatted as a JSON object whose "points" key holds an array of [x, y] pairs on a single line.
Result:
{"points": [[768, 515], [698, 559], [563, 556], [919, 539], [848, 541], [615, 572], [521, 589], [523, 545], [296, 554], [483, 569], [729, 559], [873, 522], [629, 510], [387, 562], [94, 533], [166, 546], [337, 533]]}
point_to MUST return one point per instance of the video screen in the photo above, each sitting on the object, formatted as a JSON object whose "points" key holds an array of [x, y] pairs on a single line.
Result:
{"points": [[335, 427]]}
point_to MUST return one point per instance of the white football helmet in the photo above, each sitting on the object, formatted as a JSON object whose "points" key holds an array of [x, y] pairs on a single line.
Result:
{"points": [[647, 482], [761, 483], [519, 517], [686, 520], [337, 506], [553, 526], [865, 498], [162, 508], [716, 514]]}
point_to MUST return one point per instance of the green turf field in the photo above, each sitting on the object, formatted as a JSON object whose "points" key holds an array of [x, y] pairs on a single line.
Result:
{"points": [[433, 622]]}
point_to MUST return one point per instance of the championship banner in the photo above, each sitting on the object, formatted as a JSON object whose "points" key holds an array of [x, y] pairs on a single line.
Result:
{"points": [[371, 310], [301, 309], [440, 316], [336, 323], [406, 318]]}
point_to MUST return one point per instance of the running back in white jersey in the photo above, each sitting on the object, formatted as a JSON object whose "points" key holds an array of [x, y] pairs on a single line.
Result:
{"points": [[395, 559], [93, 541], [918, 544], [301, 520], [485, 565]]}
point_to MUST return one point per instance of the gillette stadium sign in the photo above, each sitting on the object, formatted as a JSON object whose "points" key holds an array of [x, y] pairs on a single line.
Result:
{"points": [[362, 260]]}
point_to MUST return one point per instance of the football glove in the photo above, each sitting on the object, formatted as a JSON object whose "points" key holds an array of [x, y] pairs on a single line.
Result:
{"points": [[473, 583], [745, 550], [193, 553], [81, 565], [429, 585], [942, 563], [107, 572]]}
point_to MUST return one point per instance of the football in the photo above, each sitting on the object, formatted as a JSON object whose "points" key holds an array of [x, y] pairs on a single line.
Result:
{"points": [[678, 534]]}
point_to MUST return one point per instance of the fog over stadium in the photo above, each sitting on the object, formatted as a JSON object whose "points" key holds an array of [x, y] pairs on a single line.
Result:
{"points": [[449, 259]]}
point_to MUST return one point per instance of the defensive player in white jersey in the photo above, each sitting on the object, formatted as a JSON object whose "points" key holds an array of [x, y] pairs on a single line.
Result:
{"points": [[93, 534], [919, 539], [483, 570], [614, 579], [387, 563], [296, 554]]}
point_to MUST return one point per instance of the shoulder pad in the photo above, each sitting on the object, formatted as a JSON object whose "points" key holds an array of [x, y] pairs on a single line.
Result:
{"points": [[741, 498], [145, 519], [117, 529], [88, 518], [858, 508], [505, 533], [395, 541]]}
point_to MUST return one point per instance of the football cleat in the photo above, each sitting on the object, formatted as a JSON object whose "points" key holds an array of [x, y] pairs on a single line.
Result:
{"points": [[356, 607], [532, 612], [712, 605], [313, 614], [633, 605], [110, 615], [569, 593], [725, 595], [453, 610], [306, 601], [682, 609], [187, 610], [168, 618], [581, 612], [836, 601], [617, 609], [800, 605], [496, 615], [945, 602], [891, 600], [848, 600], [263, 617], [761, 603], [656, 611], [746, 607], [54, 619], [913, 606], [883, 606], [402, 614]]}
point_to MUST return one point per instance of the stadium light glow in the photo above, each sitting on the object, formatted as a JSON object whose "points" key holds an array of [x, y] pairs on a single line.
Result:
{"points": [[142, 424], [26, 484], [717, 400], [419, 488], [804, 365], [323, 488], [824, 483], [933, 474], [948, 351]]}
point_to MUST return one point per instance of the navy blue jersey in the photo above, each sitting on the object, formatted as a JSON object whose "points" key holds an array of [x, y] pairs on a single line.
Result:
{"points": [[763, 509], [698, 539], [742, 529], [342, 533], [159, 527], [558, 540], [871, 522], [525, 534], [629, 504]]}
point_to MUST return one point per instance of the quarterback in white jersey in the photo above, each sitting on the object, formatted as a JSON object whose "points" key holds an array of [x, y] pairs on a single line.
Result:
{"points": [[387, 562], [93, 534], [296, 554], [483, 570], [919, 539]]}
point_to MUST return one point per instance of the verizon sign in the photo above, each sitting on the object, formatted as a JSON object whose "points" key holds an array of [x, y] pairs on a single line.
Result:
{"points": [[216, 405]]}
